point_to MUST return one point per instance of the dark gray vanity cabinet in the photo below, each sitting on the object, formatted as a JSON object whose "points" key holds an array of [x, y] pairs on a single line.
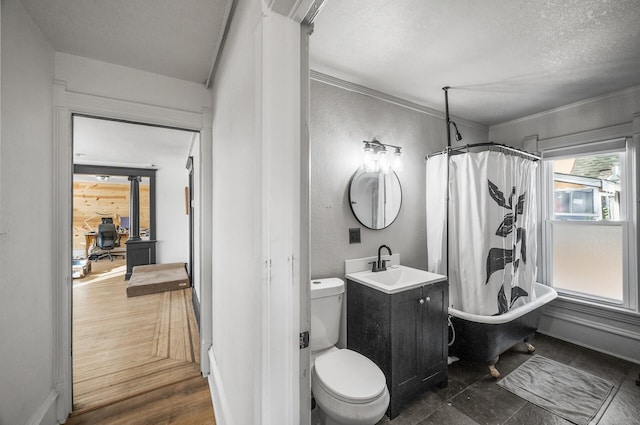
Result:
{"points": [[405, 334]]}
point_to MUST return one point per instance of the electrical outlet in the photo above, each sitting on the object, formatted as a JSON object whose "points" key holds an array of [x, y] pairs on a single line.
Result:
{"points": [[354, 235]]}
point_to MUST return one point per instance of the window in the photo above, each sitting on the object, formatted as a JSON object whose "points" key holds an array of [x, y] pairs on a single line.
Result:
{"points": [[587, 187], [587, 229]]}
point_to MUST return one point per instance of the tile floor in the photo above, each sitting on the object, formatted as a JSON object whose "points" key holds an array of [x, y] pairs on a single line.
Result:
{"points": [[473, 397]]}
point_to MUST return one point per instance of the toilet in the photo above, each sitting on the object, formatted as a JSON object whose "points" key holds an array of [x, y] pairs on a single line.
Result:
{"points": [[349, 389]]}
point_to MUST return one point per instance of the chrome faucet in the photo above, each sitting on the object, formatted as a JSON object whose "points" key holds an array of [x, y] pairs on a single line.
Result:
{"points": [[380, 265]]}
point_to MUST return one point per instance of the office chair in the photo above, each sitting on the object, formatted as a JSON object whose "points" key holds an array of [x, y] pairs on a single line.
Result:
{"points": [[107, 239]]}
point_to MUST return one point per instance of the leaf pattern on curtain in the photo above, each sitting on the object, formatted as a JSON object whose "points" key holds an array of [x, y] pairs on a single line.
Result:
{"points": [[498, 258], [503, 307], [506, 226], [517, 292], [522, 237]]}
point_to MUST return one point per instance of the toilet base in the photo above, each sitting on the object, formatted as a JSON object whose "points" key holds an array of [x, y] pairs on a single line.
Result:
{"points": [[324, 419], [319, 417]]}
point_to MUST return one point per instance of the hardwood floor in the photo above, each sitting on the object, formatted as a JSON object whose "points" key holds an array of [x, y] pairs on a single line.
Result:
{"points": [[135, 360]]}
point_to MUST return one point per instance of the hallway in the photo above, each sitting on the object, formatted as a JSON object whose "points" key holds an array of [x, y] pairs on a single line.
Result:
{"points": [[135, 360]]}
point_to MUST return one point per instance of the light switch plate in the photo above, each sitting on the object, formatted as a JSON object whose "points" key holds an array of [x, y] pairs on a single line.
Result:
{"points": [[354, 235]]}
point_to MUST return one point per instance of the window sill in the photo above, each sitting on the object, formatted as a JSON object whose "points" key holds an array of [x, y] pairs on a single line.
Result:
{"points": [[610, 312]]}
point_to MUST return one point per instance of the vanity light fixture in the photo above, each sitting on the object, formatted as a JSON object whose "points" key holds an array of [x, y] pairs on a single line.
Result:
{"points": [[376, 157]]}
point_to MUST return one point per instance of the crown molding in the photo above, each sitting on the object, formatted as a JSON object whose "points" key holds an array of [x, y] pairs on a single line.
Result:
{"points": [[366, 91], [577, 104]]}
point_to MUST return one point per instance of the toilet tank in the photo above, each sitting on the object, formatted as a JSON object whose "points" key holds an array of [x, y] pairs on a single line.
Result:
{"points": [[326, 306]]}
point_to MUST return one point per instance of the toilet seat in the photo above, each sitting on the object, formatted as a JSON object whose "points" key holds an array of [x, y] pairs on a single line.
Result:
{"points": [[349, 377]]}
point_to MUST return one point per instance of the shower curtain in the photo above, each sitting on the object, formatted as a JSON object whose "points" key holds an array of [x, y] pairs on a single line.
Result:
{"points": [[492, 229]]}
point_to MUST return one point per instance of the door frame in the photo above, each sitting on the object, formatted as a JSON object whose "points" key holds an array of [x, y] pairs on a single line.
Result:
{"points": [[65, 104], [191, 218], [193, 239]]}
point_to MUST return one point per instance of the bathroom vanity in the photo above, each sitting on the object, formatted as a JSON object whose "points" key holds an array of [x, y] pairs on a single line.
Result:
{"points": [[399, 320]]}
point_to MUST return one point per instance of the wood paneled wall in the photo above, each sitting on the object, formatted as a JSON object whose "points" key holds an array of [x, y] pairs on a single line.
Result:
{"points": [[94, 200]]}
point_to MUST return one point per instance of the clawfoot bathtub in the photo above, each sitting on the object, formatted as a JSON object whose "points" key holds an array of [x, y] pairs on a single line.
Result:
{"points": [[484, 338]]}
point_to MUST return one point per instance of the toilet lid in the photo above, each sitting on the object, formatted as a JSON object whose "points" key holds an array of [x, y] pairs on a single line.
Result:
{"points": [[349, 376]]}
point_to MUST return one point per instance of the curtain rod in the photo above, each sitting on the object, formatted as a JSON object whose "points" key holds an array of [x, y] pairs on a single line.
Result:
{"points": [[488, 145]]}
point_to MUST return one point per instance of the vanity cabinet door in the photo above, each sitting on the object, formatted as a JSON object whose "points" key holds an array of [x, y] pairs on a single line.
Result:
{"points": [[434, 332], [406, 341]]}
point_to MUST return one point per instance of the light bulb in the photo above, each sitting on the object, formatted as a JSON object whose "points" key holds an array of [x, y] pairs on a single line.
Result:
{"points": [[368, 159], [397, 160], [383, 160]]}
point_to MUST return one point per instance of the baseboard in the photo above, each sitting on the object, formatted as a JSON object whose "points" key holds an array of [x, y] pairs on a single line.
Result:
{"points": [[196, 306], [46, 413], [218, 396], [593, 335]]}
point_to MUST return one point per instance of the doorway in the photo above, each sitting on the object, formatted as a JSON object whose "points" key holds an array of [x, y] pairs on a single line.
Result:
{"points": [[148, 348]]}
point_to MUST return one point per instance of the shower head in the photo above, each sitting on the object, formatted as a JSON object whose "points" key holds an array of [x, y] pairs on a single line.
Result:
{"points": [[458, 135]]}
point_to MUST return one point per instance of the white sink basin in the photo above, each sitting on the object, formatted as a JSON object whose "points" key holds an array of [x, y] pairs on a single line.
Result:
{"points": [[395, 279]]}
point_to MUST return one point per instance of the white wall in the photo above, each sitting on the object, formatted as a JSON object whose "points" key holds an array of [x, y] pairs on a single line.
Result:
{"points": [[256, 220], [26, 211], [591, 114], [340, 120], [237, 232], [83, 75], [172, 223], [612, 331]]}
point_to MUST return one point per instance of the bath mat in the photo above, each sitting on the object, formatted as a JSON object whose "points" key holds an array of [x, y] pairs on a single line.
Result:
{"points": [[570, 393], [154, 278]]}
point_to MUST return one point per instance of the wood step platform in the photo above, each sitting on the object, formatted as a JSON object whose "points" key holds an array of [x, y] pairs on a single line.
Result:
{"points": [[154, 278]]}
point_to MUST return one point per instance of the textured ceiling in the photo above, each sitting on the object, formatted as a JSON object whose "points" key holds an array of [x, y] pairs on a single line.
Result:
{"points": [[178, 39], [504, 59], [114, 143]]}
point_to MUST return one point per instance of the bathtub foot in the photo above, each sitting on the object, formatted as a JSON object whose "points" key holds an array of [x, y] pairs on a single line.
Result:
{"points": [[530, 348], [495, 373]]}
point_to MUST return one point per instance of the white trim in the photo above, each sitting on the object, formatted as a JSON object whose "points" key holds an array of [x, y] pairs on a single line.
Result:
{"points": [[46, 406], [599, 135], [579, 103], [588, 223], [357, 88], [594, 309], [65, 104], [633, 174], [62, 249], [304, 360], [205, 205], [221, 410], [627, 213], [131, 111], [306, 11]]}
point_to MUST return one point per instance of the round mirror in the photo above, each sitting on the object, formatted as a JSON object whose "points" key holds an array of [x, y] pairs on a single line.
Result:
{"points": [[375, 198]]}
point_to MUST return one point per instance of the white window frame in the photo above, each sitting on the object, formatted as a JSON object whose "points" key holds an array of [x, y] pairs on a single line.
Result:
{"points": [[628, 220]]}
